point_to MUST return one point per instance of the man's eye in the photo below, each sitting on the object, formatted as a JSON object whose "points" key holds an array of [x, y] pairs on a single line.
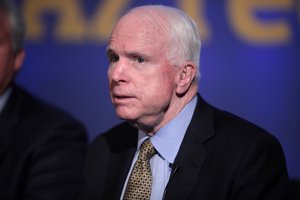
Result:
{"points": [[113, 58], [140, 59]]}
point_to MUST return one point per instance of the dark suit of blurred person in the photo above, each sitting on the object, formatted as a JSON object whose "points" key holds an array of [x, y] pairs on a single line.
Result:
{"points": [[42, 149]]}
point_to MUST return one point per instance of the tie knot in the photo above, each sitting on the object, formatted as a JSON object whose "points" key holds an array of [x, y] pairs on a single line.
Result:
{"points": [[147, 150]]}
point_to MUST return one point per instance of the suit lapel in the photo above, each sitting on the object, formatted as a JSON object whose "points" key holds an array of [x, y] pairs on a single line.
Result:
{"points": [[120, 160], [117, 175], [192, 153]]}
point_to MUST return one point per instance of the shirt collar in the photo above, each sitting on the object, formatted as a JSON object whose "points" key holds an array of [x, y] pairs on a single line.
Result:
{"points": [[168, 139], [3, 98]]}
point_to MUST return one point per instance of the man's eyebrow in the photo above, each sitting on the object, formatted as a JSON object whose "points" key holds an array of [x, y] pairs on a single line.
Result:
{"points": [[133, 53], [108, 49], [136, 53]]}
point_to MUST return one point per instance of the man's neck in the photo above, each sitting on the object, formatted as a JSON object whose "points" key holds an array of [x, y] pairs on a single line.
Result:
{"points": [[174, 109]]}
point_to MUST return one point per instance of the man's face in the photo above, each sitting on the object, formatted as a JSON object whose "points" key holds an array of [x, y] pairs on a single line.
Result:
{"points": [[142, 82], [7, 57]]}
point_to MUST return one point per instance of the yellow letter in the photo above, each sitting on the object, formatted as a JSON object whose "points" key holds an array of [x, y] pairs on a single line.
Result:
{"points": [[70, 21], [242, 15], [106, 16], [194, 8]]}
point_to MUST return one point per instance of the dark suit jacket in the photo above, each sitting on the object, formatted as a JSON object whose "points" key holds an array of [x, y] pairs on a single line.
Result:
{"points": [[221, 157], [42, 150]]}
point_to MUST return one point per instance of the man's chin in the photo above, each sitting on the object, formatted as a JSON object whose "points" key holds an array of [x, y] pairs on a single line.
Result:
{"points": [[125, 116]]}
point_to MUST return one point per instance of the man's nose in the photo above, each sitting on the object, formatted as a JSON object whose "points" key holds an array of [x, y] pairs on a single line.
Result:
{"points": [[118, 71]]}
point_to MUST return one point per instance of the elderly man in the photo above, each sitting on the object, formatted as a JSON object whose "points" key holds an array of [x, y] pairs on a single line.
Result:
{"points": [[42, 149], [174, 145]]}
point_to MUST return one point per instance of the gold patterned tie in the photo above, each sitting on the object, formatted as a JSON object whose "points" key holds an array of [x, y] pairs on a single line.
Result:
{"points": [[140, 181]]}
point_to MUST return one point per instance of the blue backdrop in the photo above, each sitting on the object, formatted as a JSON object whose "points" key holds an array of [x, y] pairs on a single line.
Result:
{"points": [[249, 60]]}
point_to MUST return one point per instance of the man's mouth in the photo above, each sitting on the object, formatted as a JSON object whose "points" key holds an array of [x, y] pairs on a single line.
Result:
{"points": [[121, 98]]}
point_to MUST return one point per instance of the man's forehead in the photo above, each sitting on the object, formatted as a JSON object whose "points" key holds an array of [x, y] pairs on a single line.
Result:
{"points": [[135, 43], [139, 23], [133, 33], [137, 38]]}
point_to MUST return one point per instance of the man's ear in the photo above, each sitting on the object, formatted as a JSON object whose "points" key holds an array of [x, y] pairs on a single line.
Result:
{"points": [[19, 59], [187, 74]]}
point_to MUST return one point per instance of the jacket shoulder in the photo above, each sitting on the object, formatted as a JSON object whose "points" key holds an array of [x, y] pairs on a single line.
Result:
{"points": [[118, 138], [39, 120]]}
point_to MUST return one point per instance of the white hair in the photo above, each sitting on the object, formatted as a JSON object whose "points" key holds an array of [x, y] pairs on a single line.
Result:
{"points": [[181, 30]]}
